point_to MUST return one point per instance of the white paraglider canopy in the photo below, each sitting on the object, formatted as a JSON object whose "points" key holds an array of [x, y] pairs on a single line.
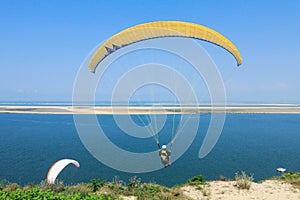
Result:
{"points": [[57, 167]]}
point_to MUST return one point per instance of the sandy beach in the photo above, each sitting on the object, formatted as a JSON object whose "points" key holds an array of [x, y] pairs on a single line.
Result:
{"points": [[225, 190], [264, 108]]}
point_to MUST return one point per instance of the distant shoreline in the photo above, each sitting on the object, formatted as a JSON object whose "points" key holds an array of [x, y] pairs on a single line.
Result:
{"points": [[260, 109]]}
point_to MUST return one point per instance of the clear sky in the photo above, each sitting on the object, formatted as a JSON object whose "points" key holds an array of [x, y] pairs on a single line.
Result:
{"points": [[43, 43]]}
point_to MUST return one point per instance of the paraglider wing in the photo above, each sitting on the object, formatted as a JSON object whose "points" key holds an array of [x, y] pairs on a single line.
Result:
{"points": [[57, 167], [162, 29]]}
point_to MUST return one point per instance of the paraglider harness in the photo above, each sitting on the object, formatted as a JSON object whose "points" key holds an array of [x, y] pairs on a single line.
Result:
{"points": [[165, 155], [164, 152]]}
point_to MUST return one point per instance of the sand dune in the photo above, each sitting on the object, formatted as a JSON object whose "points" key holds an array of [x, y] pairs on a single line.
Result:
{"points": [[225, 190]]}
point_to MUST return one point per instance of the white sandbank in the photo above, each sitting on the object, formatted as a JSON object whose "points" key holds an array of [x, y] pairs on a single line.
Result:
{"points": [[225, 190]]}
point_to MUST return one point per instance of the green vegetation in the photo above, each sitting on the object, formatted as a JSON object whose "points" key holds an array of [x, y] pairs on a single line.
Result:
{"points": [[134, 182], [96, 184], [290, 177], [37, 193], [205, 193], [197, 180], [118, 189], [243, 181], [96, 189]]}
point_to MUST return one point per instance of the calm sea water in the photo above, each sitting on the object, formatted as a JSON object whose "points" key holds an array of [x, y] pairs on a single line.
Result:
{"points": [[255, 143]]}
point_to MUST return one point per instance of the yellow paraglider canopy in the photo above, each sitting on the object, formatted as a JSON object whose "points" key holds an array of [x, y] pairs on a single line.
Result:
{"points": [[162, 29]]}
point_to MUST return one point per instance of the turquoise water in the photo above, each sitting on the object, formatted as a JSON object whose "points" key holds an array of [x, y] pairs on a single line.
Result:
{"points": [[255, 143]]}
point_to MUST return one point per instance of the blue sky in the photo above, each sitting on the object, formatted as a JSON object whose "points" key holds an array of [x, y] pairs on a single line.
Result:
{"points": [[43, 43]]}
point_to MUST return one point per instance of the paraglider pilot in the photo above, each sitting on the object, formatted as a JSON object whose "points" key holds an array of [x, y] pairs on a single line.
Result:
{"points": [[165, 156]]}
